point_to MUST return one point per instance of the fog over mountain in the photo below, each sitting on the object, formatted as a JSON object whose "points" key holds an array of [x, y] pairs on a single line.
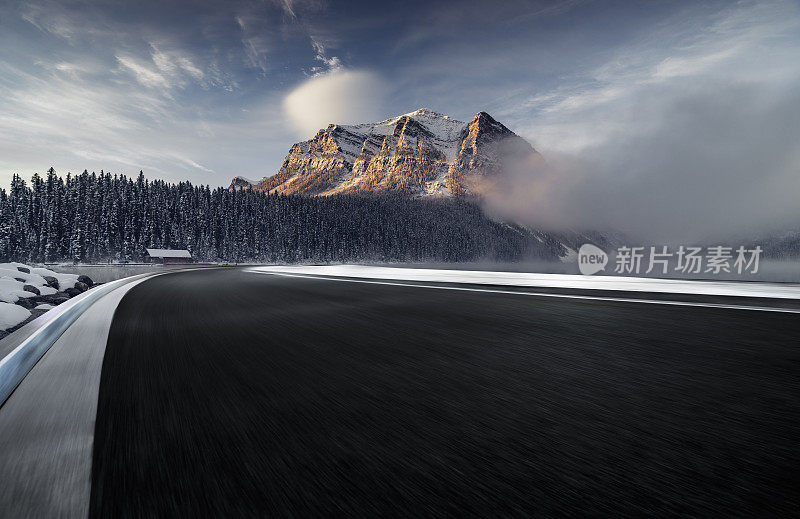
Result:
{"points": [[696, 143], [718, 163]]}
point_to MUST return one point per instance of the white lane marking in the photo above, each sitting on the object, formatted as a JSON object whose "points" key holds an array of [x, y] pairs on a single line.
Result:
{"points": [[536, 281], [543, 294]]}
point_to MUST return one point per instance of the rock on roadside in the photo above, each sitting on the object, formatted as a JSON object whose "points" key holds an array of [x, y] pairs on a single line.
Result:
{"points": [[32, 289], [51, 282], [24, 288]]}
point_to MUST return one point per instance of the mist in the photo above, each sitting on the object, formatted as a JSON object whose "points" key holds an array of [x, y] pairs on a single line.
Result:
{"points": [[684, 162]]}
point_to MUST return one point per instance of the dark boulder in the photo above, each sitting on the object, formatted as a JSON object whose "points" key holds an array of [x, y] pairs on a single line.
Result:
{"points": [[49, 298], [3, 334], [72, 292], [20, 280], [53, 299], [32, 289], [24, 302], [81, 286], [85, 279], [36, 313], [24, 269], [51, 281]]}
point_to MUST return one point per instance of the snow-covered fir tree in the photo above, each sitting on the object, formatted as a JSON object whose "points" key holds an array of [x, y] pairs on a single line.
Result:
{"points": [[103, 217]]}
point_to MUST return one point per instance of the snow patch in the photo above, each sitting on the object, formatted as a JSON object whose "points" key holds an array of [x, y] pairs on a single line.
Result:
{"points": [[11, 290], [12, 283], [65, 281], [11, 315], [30, 279], [445, 130]]}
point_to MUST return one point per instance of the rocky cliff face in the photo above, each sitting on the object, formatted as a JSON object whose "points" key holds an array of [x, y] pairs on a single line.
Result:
{"points": [[423, 153], [241, 183]]}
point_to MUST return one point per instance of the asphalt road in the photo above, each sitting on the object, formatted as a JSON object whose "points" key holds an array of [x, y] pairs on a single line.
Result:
{"points": [[230, 393], [48, 422]]}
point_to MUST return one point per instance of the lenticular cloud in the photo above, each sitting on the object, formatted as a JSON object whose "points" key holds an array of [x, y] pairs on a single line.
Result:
{"points": [[340, 96]]}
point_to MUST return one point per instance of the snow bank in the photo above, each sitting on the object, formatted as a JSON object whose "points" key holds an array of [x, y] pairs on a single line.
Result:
{"points": [[9, 270], [36, 275], [11, 290], [64, 280], [12, 281], [47, 291], [12, 315]]}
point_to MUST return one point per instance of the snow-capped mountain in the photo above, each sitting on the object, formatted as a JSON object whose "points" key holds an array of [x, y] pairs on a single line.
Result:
{"points": [[422, 153]]}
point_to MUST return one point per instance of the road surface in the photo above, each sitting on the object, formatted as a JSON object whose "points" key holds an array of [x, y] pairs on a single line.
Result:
{"points": [[230, 393]]}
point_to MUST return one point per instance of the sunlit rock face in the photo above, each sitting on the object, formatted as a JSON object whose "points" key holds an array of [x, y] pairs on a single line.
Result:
{"points": [[423, 153], [241, 183], [486, 149]]}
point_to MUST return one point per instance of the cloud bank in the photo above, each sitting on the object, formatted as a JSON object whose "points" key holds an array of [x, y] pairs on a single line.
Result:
{"points": [[698, 140]]}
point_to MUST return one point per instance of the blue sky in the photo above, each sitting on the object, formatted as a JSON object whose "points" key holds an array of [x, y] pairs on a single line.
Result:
{"points": [[207, 90]]}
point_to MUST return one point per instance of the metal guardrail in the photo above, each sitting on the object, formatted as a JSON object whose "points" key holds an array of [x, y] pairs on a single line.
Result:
{"points": [[15, 366]]}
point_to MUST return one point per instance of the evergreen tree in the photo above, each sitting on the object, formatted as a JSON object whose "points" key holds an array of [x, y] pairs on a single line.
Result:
{"points": [[5, 227], [91, 217]]}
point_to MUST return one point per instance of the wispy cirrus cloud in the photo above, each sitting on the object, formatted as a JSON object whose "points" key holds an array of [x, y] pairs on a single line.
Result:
{"points": [[84, 85], [143, 73], [329, 64]]}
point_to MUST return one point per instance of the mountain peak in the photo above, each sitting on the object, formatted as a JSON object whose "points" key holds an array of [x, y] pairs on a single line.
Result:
{"points": [[427, 112], [484, 119], [421, 153], [485, 125]]}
